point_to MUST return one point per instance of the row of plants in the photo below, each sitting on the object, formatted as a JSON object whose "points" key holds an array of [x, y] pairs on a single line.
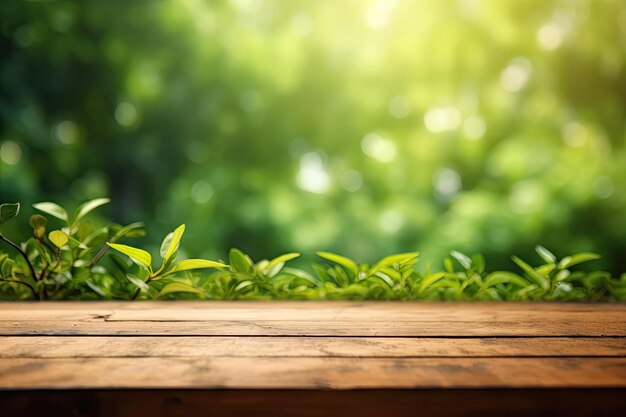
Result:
{"points": [[78, 260]]}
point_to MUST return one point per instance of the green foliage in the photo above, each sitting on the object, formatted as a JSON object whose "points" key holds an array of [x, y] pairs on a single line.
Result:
{"points": [[66, 265], [363, 127]]}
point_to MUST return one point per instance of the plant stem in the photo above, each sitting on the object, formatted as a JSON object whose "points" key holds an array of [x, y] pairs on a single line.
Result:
{"points": [[19, 249], [99, 255], [23, 283]]}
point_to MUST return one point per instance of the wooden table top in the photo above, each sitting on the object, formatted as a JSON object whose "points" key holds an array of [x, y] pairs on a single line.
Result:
{"points": [[311, 345]]}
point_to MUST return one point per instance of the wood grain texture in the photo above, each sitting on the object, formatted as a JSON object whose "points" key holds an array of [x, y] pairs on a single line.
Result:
{"points": [[313, 319], [349, 347], [311, 345], [311, 373]]}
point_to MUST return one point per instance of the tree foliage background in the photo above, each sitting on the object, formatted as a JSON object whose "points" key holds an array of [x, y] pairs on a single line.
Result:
{"points": [[363, 128]]}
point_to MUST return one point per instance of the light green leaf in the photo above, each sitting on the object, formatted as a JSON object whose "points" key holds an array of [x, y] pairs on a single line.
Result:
{"points": [[171, 243], [534, 275], [58, 238], [89, 206], [139, 256], [8, 211], [399, 259], [341, 260], [52, 209], [239, 261], [578, 259], [545, 254], [504, 277], [464, 260], [178, 287], [280, 260], [137, 282], [430, 280], [190, 264]]}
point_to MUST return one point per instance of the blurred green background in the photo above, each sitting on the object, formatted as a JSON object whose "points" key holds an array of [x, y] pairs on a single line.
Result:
{"points": [[361, 127]]}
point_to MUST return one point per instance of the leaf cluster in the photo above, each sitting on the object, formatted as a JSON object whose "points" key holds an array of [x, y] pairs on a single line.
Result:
{"points": [[69, 262]]}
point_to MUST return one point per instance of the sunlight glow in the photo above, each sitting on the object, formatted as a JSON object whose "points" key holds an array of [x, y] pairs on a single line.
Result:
{"points": [[379, 148], [313, 176]]}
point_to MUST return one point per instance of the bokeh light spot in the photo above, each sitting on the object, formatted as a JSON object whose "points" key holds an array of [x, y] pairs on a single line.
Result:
{"points": [[126, 114], [201, 192], [10, 153], [379, 148], [351, 180], [515, 76], [441, 119], [313, 176], [474, 127], [67, 132]]}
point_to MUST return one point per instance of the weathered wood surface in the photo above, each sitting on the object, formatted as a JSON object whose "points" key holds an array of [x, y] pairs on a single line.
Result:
{"points": [[313, 319], [311, 345]]}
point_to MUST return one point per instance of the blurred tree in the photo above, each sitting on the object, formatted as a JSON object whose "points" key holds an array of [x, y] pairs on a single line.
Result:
{"points": [[363, 128]]}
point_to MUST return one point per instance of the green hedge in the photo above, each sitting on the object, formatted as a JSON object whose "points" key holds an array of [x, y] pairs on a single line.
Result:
{"points": [[70, 263]]}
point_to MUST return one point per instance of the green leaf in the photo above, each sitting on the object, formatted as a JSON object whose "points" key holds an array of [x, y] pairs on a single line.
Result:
{"points": [[189, 264], [280, 260], [131, 230], [239, 261], [139, 256], [464, 260], [89, 206], [52, 209], [59, 238], [8, 211], [178, 287], [578, 259], [430, 280], [137, 282], [545, 254], [341, 260], [534, 275], [38, 223], [504, 277], [398, 259], [171, 243]]}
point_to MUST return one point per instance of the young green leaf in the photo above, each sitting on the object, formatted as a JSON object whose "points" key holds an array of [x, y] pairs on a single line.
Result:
{"points": [[89, 206], [171, 243], [280, 260], [52, 209], [7, 212], [349, 264], [504, 277], [139, 256], [137, 282], [464, 260], [545, 254], [430, 280], [178, 287], [534, 275], [578, 259], [189, 264], [58, 238], [239, 261], [398, 259]]}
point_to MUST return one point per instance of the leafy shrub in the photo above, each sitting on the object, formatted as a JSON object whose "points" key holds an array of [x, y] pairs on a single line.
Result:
{"points": [[66, 264]]}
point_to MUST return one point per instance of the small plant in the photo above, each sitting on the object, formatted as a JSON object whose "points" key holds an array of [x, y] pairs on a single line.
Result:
{"points": [[69, 263], [146, 277]]}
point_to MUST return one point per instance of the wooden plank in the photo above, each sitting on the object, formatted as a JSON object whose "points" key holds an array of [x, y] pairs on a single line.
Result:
{"points": [[197, 347], [315, 403], [444, 328], [311, 373], [313, 319]]}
